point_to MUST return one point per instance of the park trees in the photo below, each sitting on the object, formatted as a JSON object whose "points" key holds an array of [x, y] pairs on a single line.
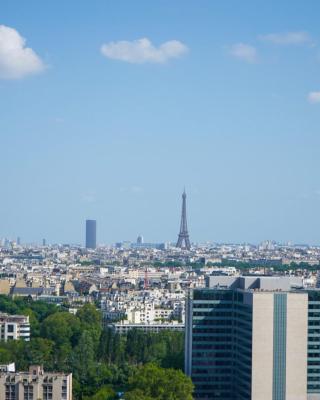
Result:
{"points": [[153, 382], [102, 361]]}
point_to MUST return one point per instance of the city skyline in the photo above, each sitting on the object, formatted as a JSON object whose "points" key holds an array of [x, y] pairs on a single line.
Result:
{"points": [[91, 239], [111, 120]]}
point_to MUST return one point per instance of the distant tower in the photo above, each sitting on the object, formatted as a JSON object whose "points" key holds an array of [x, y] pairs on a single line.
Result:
{"points": [[91, 233], [140, 239], [184, 235]]}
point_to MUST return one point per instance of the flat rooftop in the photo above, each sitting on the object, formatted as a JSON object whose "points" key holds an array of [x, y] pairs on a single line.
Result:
{"points": [[256, 283]]}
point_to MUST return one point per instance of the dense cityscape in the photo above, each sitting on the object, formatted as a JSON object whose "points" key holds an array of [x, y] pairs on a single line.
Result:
{"points": [[128, 295], [159, 200]]}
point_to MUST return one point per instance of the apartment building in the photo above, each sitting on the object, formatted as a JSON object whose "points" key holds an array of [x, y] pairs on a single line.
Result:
{"points": [[124, 327], [34, 384], [253, 338], [14, 327]]}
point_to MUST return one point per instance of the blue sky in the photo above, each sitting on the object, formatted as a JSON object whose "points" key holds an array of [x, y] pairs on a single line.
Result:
{"points": [[222, 97]]}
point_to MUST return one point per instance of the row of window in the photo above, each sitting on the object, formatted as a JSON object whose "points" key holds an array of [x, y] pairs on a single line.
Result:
{"points": [[28, 392], [211, 306], [213, 313], [209, 355], [212, 379], [212, 345], [223, 295]]}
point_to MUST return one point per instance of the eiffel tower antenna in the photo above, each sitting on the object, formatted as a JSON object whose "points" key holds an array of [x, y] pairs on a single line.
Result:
{"points": [[183, 238]]}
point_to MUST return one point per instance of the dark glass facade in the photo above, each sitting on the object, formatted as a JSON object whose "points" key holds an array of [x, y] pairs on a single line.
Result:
{"points": [[91, 234], [221, 345]]}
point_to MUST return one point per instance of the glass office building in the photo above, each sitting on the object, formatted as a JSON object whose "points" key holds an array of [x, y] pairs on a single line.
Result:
{"points": [[253, 338], [91, 233]]}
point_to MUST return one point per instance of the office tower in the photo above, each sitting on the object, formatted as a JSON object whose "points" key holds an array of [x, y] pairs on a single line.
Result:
{"points": [[18, 241], [91, 233], [34, 384], [183, 238], [253, 338], [44, 243]]}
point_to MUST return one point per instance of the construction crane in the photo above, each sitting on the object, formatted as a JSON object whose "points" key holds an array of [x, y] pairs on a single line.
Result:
{"points": [[146, 279]]}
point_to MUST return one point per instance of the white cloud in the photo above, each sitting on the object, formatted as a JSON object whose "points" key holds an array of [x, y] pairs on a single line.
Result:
{"points": [[143, 51], [16, 60], [244, 52], [314, 97], [287, 38]]}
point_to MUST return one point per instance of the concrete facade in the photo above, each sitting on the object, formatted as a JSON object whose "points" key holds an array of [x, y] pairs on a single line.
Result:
{"points": [[297, 346], [34, 384], [262, 346]]}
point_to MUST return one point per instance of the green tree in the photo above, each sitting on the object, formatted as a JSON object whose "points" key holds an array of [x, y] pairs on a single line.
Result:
{"points": [[159, 384], [90, 317], [76, 388], [137, 394], [8, 306], [42, 310], [62, 328], [5, 356], [83, 358], [105, 346], [40, 351], [91, 320], [16, 349], [104, 393], [174, 357]]}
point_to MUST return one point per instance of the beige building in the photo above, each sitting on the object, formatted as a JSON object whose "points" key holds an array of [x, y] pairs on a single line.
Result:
{"points": [[279, 346], [34, 384], [4, 286]]}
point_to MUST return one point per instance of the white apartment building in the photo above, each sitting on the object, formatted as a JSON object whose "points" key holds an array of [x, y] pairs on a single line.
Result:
{"points": [[14, 327], [147, 307], [125, 327]]}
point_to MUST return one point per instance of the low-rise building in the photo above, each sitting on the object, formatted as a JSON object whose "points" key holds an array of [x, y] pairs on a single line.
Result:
{"points": [[34, 384], [124, 327]]}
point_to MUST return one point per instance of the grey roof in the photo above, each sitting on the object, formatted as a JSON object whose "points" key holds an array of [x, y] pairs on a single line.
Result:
{"points": [[27, 291]]}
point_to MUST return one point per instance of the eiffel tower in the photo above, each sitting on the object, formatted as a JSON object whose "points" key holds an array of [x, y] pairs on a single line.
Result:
{"points": [[184, 235]]}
